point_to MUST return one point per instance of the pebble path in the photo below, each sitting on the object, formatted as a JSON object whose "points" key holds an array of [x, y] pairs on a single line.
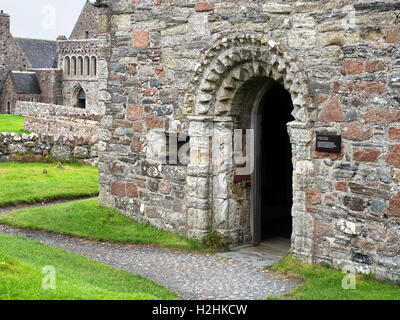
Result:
{"points": [[193, 276]]}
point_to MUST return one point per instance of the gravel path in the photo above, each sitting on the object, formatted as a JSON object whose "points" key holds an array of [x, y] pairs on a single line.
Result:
{"points": [[192, 276]]}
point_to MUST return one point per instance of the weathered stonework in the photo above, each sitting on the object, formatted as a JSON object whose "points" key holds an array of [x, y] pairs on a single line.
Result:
{"points": [[48, 119], [35, 148], [199, 68]]}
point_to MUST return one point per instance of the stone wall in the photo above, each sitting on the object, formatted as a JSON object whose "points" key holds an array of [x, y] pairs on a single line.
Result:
{"points": [[35, 148], [48, 119], [62, 132], [51, 85], [182, 66]]}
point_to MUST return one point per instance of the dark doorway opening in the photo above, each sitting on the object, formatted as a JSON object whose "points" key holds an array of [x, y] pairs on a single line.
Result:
{"points": [[8, 107], [81, 99], [275, 167]]}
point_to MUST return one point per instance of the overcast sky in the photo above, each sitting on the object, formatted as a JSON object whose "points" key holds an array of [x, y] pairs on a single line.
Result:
{"points": [[42, 19]]}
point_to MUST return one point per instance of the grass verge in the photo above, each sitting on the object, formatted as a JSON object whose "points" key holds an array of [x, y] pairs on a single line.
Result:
{"points": [[324, 283], [85, 218], [12, 123], [26, 183], [77, 277]]}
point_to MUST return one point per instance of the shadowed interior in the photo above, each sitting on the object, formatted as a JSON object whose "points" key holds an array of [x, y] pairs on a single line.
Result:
{"points": [[276, 164]]}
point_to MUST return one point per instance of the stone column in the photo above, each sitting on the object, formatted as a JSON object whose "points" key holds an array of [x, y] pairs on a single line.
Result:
{"points": [[303, 179], [197, 180], [223, 215], [104, 100]]}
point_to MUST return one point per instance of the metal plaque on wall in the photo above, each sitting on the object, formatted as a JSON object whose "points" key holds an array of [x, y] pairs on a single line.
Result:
{"points": [[331, 143]]}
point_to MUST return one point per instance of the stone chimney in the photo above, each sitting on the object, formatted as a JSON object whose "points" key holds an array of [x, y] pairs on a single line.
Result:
{"points": [[4, 22]]}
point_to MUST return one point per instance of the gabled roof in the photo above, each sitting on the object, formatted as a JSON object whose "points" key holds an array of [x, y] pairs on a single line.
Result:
{"points": [[25, 82], [41, 54], [87, 22]]}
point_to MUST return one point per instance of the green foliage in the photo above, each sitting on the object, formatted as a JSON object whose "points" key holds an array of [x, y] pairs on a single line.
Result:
{"points": [[85, 218], [26, 183], [322, 283], [77, 277], [215, 241], [12, 123]]}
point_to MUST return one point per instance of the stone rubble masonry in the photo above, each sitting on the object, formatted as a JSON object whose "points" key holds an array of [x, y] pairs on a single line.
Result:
{"points": [[63, 132], [55, 120], [34, 148], [195, 66]]}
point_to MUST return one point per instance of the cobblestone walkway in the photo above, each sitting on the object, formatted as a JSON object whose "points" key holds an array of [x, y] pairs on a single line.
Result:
{"points": [[192, 276]]}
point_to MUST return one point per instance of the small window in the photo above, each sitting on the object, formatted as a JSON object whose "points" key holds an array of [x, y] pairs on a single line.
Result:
{"points": [[86, 34], [73, 60], [94, 66], [81, 69], [87, 63], [67, 66]]}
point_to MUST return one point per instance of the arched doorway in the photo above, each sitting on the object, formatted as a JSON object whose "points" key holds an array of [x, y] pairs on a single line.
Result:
{"points": [[79, 98], [8, 107], [272, 179], [233, 89], [264, 107]]}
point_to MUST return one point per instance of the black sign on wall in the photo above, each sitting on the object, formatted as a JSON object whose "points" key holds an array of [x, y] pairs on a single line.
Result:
{"points": [[331, 143]]}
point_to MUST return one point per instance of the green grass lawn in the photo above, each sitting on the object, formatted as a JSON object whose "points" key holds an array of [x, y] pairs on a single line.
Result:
{"points": [[12, 123], [26, 183], [323, 283], [77, 277], [85, 218]]}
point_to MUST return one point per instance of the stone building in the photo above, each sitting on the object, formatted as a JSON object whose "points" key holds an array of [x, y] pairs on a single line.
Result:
{"points": [[78, 59], [282, 72], [66, 69]]}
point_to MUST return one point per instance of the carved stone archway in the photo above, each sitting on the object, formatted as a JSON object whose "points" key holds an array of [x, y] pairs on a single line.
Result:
{"points": [[234, 61]]}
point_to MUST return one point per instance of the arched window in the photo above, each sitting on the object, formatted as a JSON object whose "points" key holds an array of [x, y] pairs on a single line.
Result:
{"points": [[87, 64], [80, 65], [73, 61], [67, 66], [94, 66]]}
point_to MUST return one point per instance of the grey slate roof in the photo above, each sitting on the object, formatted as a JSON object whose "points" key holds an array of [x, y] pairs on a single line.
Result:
{"points": [[41, 54], [25, 82]]}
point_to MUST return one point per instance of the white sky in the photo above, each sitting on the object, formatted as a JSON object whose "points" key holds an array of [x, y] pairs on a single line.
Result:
{"points": [[42, 19]]}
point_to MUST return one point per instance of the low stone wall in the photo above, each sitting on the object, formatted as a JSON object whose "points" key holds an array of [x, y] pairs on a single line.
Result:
{"points": [[34, 148], [55, 120]]}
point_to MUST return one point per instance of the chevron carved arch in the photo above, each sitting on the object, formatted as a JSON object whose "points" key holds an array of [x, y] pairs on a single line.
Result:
{"points": [[238, 58]]}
